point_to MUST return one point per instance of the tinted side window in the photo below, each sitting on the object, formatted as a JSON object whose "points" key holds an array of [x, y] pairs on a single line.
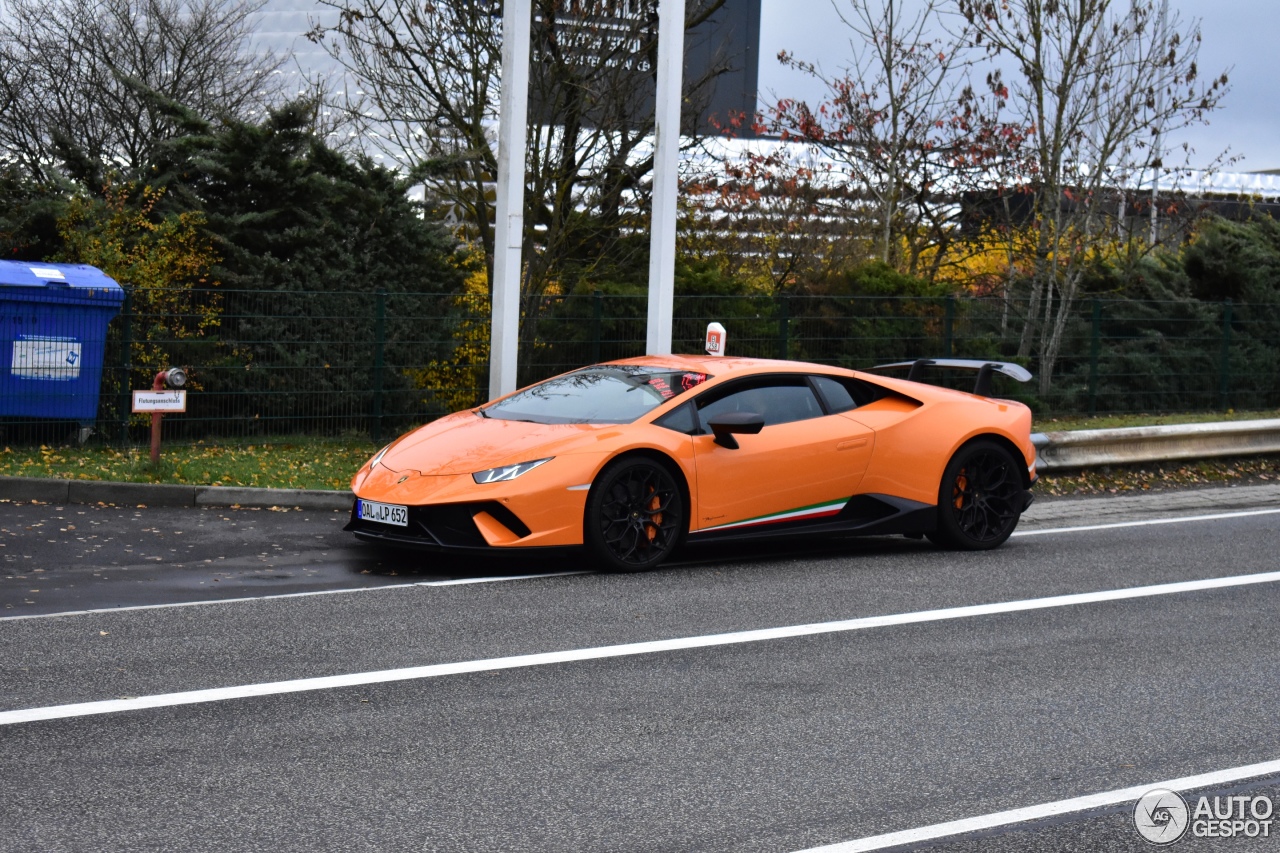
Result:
{"points": [[778, 402], [680, 420], [835, 395], [842, 393]]}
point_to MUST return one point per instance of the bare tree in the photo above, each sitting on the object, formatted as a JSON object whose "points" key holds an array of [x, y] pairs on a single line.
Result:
{"points": [[901, 120], [1100, 83], [75, 71], [423, 83]]}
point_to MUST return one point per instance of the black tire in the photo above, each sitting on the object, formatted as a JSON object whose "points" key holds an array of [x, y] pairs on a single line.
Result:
{"points": [[635, 516], [980, 499]]}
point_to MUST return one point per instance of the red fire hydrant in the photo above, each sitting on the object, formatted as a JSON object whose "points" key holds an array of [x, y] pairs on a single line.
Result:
{"points": [[174, 377]]}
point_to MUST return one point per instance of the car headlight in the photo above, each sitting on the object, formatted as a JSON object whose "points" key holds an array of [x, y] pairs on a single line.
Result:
{"points": [[507, 472], [377, 457]]}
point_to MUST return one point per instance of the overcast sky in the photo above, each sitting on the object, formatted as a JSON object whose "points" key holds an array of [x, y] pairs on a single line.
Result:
{"points": [[1241, 35]]}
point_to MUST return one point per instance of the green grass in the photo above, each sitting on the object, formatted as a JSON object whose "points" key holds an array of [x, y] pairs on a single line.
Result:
{"points": [[1118, 421], [289, 463], [300, 462]]}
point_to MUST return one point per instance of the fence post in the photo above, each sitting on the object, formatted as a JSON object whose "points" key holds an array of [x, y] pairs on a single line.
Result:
{"points": [[1095, 346], [379, 347], [126, 365], [597, 318], [784, 327], [1224, 362], [948, 326]]}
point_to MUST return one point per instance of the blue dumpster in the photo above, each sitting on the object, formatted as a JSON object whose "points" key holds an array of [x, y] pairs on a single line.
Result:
{"points": [[53, 329]]}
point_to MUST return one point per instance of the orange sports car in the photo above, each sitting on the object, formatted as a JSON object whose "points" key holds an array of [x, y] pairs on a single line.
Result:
{"points": [[632, 458]]}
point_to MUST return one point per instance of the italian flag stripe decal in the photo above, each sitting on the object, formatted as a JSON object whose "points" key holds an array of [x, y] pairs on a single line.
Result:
{"points": [[821, 510]]}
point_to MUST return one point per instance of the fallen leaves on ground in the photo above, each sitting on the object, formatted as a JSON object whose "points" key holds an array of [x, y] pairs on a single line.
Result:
{"points": [[1115, 480]]}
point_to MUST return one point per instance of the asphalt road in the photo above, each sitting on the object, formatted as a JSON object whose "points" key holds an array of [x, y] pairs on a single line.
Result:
{"points": [[784, 743]]}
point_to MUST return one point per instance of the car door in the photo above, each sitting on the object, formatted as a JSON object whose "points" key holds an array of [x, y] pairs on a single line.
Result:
{"points": [[804, 464]]}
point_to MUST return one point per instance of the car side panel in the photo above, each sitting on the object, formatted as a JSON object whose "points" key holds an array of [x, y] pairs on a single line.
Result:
{"points": [[783, 469], [914, 444]]}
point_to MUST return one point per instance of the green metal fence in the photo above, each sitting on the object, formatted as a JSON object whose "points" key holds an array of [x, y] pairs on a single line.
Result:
{"points": [[374, 364]]}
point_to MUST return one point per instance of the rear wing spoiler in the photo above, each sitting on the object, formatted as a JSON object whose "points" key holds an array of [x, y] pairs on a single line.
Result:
{"points": [[982, 387]]}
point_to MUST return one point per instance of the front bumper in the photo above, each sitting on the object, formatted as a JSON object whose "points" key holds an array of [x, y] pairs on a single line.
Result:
{"points": [[543, 508], [476, 526]]}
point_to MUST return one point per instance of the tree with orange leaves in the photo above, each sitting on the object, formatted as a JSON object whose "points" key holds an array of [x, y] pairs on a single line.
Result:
{"points": [[905, 127], [165, 260]]}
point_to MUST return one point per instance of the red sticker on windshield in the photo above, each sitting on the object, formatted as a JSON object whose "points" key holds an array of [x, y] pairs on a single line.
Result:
{"points": [[663, 388], [692, 380]]}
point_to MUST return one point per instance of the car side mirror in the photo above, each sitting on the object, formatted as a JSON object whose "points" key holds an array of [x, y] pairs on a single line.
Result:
{"points": [[725, 426]]}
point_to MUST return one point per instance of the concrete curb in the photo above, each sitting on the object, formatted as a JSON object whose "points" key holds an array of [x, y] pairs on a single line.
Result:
{"points": [[162, 494], [1109, 509], [1092, 447]]}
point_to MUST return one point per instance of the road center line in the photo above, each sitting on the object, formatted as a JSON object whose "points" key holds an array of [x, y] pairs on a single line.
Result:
{"points": [[302, 685], [1044, 810], [311, 594]]}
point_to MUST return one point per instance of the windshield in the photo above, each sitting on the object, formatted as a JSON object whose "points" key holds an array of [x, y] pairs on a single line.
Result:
{"points": [[604, 394]]}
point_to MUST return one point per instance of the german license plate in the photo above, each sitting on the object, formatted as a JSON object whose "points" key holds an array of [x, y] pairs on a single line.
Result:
{"points": [[383, 513]]}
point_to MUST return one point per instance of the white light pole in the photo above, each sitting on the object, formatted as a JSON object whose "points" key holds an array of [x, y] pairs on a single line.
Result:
{"points": [[1156, 152], [504, 331], [666, 163], [513, 119]]}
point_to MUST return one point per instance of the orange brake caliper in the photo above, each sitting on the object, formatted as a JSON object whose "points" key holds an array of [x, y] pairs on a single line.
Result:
{"points": [[655, 519], [962, 483]]}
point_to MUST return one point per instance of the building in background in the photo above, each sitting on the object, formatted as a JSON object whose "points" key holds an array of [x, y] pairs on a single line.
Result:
{"points": [[727, 42]]}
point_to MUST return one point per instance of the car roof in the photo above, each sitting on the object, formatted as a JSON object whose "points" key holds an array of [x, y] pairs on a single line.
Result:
{"points": [[720, 366], [725, 367]]}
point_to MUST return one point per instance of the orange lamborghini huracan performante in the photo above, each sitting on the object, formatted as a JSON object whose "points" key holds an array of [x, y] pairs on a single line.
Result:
{"points": [[632, 458]]}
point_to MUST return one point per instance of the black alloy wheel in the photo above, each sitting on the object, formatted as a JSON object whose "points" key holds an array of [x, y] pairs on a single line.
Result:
{"points": [[635, 515], [980, 499]]}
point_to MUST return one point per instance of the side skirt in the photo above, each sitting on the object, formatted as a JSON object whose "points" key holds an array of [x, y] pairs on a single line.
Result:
{"points": [[864, 515]]}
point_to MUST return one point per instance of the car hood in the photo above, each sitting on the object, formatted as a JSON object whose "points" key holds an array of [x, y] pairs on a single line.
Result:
{"points": [[464, 443]]}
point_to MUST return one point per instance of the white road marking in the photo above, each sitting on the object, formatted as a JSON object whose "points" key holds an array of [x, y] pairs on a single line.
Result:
{"points": [[1147, 522], [1061, 807], [459, 582], [344, 591], [301, 685], [466, 581], [564, 574]]}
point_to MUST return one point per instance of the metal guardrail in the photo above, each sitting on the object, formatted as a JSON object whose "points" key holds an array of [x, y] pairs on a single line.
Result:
{"points": [[1094, 447]]}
